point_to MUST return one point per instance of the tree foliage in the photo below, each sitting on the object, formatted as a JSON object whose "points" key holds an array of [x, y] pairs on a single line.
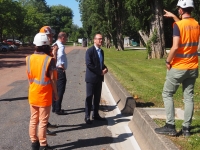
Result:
{"points": [[61, 18], [23, 18], [116, 19]]}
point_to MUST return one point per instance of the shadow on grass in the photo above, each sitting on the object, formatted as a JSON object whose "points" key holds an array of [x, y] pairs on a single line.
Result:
{"points": [[144, 104], [193, 130]]}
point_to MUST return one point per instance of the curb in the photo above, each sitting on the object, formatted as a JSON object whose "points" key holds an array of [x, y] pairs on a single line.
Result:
{"points": [[141, 125], [123, 99]]}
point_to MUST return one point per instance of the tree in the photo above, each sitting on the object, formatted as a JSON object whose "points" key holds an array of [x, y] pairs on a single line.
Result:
{"points": [[11, 16], [76, 33], [106, 17], [61, 18]]}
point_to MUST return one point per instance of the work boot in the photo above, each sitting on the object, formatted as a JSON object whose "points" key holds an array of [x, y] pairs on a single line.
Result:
{"points": [[50, 133], [168, 129], [51, 125], [47, 147], [186, 131], [35, 145]]}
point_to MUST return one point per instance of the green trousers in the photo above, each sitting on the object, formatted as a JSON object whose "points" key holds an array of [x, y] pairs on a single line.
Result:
{"points": [[174, 78]]}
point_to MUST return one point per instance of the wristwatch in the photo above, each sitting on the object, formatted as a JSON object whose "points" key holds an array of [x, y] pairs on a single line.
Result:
{"points": [[167, 62]]}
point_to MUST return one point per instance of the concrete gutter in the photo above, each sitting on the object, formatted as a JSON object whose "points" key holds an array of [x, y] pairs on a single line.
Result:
{"points": [[141, 125], [123, 99]]}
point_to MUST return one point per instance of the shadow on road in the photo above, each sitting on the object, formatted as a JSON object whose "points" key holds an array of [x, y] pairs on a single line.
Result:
{"points": [[14, 99], [92, 142], [15, 58]]}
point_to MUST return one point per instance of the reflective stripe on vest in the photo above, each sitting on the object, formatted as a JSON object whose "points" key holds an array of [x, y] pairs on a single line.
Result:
{"points": [[189, 44], [186, 55], [42, 81]]}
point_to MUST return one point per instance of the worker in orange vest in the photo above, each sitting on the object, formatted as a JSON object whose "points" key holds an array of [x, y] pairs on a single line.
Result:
{"points": [[41, 72], [53, 53], [50, 33], [182, 66]]}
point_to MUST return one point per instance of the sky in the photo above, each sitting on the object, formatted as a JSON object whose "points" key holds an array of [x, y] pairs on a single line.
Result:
{"points": [[73, 4]]}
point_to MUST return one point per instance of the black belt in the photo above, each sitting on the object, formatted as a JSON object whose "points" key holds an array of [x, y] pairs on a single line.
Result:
{"points": [[58, 68]]}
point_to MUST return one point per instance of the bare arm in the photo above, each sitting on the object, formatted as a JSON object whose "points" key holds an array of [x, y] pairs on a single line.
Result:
{"points": [[173, 51], [54, 52], [53, 83], [170, 15]]}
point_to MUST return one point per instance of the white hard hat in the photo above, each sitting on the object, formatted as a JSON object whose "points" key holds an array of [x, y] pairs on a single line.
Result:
{"points": [[185, 3], [41, 39]]}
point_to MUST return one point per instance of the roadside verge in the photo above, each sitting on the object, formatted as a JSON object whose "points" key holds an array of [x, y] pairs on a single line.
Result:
{"points": [[141, 125]]}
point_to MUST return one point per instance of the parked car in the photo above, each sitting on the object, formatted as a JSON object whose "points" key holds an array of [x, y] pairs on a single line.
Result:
{"points": [[11, 42], [4, 47], [13, 47]]}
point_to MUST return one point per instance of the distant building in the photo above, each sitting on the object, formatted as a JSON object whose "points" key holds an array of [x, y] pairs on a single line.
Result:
{"points": [[126, 41]]}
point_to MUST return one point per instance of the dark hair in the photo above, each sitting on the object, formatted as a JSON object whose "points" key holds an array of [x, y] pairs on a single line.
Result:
{"points": [[96, 34], [45, 48], [188, 10]]}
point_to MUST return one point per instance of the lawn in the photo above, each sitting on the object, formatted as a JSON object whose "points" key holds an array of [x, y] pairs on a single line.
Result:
{"points": [[144, 80]]}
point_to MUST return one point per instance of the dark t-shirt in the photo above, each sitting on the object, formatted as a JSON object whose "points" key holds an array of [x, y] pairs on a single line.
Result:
{"points": [[176, 31]]}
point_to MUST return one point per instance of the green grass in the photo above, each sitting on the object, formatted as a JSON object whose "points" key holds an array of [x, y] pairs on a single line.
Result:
{"points": [[69, 43], [145, 79]]}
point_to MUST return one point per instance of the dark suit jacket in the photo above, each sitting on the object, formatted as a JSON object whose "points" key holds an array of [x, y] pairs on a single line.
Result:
{"points": [[93, 68]]}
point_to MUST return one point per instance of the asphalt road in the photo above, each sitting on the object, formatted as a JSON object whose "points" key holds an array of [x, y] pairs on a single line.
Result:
{"points": [[72, 132]]}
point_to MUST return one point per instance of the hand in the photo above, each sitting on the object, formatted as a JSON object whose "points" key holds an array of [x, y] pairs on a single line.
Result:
{"points": [[168, 66], [168, 14], [104, 71], [55, 97]]}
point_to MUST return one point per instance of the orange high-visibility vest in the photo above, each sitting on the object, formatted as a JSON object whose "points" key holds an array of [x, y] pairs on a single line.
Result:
{"points": [[40, 88], [186, 56]]}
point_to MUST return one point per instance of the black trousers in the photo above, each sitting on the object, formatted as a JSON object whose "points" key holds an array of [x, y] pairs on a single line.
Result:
{"points": [[93, 92], [61, 84]]}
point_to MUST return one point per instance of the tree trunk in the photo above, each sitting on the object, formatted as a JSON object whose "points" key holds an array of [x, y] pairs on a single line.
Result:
{"points": [[107, 42], [118, 25], [157, 32], [144, 36], [154, 40], [120, 41]]}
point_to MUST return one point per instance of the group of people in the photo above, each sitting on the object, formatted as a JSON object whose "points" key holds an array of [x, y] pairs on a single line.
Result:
{"points": [[47, 81], [47, 78]]}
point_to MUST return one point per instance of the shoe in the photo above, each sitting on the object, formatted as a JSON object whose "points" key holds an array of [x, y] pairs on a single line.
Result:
{"points": [[50, 133], [35, 145], [47, 147], [98, 118], [51, 125], [168, 129], [186, 131], [61, 112], [88, 121]]}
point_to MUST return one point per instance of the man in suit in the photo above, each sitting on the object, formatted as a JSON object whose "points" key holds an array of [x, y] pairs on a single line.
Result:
{"points": [[95, 70]]}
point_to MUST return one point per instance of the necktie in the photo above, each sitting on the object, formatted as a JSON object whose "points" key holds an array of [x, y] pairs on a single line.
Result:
{"points": [[100, 57]]}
